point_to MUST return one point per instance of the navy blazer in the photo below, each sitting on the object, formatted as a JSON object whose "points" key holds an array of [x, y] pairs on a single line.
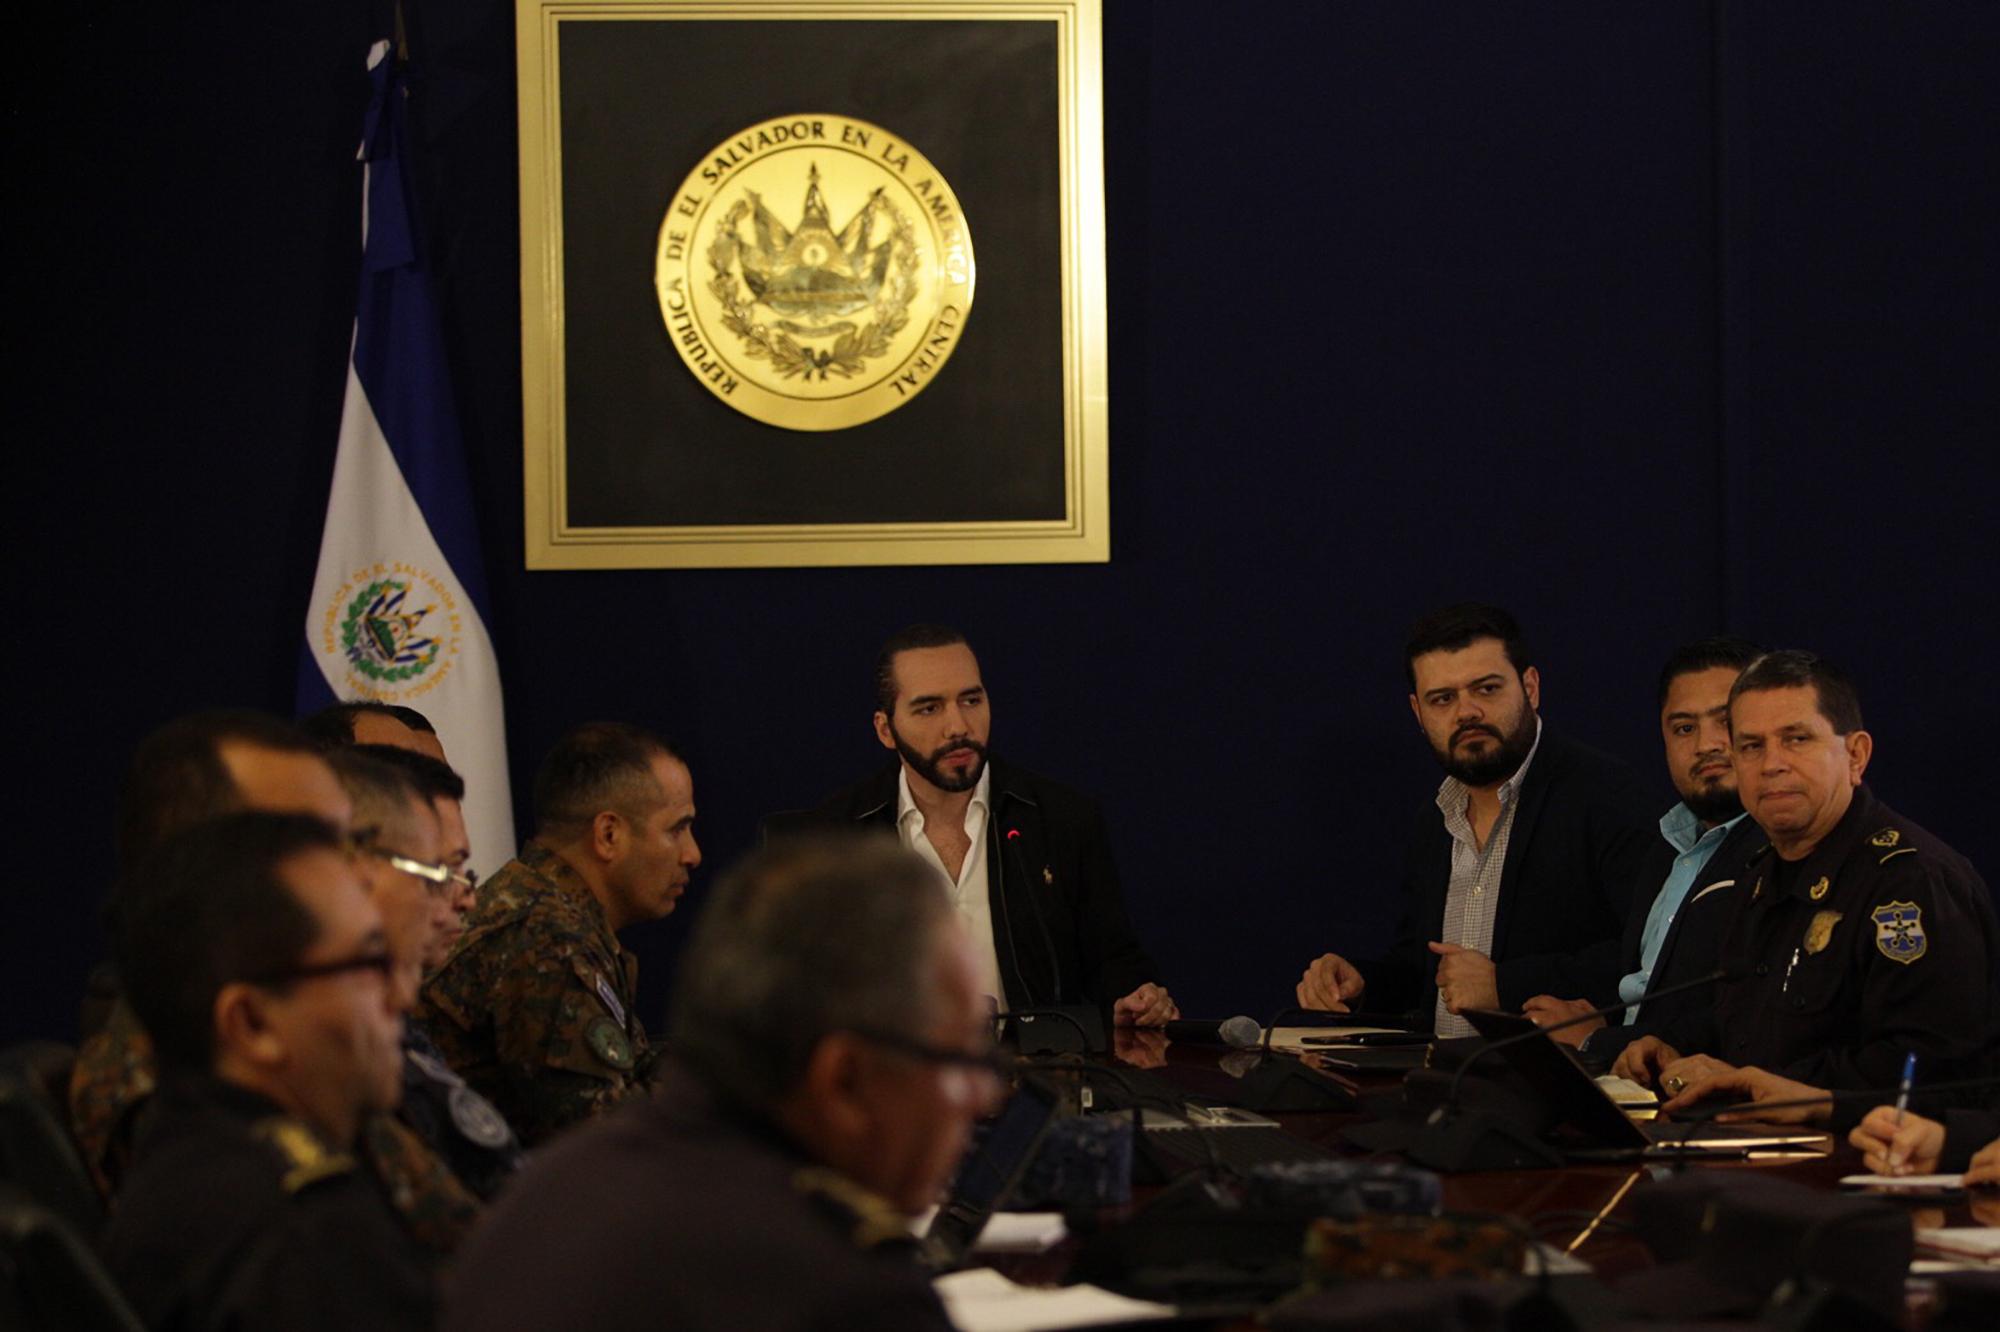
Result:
{"points": [[1584, 834], [1060, 931]]}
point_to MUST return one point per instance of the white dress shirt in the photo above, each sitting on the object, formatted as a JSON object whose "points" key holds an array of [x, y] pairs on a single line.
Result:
{"points": [[967, 893]]}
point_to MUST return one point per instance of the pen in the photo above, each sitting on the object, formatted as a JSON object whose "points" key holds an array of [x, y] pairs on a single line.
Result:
{"points": [[1903, 1087]]}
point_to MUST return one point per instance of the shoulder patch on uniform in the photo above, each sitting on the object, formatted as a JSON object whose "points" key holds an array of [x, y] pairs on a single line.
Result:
{"points": [[1899, 851], [307, 1159], [1887, 837], [1899, 931], [870, 1221], [608, 1041], [475, 1117]]}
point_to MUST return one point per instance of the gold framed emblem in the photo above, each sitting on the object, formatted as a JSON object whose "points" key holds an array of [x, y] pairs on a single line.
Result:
{"points": [[796, 187]]}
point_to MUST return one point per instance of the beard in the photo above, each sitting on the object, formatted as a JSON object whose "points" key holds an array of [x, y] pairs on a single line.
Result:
{"points": [[931, 769], [1714, 804], [1497, 764]]}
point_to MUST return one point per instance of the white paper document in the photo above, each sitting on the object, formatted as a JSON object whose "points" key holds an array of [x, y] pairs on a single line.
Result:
{"points": [[1007, 1232], [1979, 1243], [984, 1301], [1902, 1183], [1627, 1092]]}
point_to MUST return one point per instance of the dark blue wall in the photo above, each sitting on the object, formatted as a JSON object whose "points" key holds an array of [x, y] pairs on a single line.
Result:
{"points": [[1648, 320]]}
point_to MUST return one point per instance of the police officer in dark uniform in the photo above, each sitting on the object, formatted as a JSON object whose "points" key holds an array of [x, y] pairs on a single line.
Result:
{"points": [[830, 1047], [257, 963], [1863, 938], [462, 1126]]}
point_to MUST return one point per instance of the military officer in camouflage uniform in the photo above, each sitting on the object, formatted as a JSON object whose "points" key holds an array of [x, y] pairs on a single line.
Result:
{"points": [[830, 1048], [535, 1007], [253, 957], [1863, 937]]}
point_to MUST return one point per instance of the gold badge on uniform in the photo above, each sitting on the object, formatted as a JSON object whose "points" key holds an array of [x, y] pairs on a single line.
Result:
{"points": [[1887, 837], [1820, 933], [1819, 890], [814, 271]]}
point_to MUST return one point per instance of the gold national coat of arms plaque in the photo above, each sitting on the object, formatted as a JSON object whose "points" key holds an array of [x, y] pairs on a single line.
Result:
{"points": [[814, 271]]}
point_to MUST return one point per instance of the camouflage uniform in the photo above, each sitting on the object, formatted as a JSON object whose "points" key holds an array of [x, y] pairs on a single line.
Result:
{"points": [[535, 1006], [111, 1095]]}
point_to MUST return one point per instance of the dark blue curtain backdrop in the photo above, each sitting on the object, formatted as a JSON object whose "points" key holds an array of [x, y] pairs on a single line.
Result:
{"points": [[1649, 320]]}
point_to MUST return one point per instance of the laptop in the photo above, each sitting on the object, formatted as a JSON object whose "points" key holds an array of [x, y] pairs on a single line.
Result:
{"points": [[1584, 1108], [990, 1174]]}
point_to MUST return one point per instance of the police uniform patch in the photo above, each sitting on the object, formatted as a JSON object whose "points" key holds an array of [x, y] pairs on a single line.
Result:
{"points": [[434, 1068], [1819, 890], [474, 1116], [608, 1041], [610, 998], [1820, 932], [1899, 931], [1887, 837]]}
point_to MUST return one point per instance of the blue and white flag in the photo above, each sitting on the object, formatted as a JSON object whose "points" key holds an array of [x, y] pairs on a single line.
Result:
{"points": [[398, 604]]}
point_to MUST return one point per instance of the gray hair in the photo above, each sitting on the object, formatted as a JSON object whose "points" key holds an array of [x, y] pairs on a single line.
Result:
{"points": [[811, 936]]}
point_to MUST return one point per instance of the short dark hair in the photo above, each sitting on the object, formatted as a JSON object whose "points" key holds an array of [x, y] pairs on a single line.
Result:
{"points": [[1461, 626], [1705, 654], [208, 907], [1791, 668], [335, 725], [433, 779], [811, 935], [176, 776], [595, 767], [382, 795], [907, 639]]}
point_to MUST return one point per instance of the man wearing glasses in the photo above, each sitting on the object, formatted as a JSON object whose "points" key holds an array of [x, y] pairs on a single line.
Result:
{"points": [[830, 1046], [399, 853], [260, 967]]}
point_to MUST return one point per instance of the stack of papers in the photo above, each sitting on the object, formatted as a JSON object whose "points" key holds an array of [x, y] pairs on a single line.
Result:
{"points": [[984, 1301], [1978, 1244], [1008, 1232]]}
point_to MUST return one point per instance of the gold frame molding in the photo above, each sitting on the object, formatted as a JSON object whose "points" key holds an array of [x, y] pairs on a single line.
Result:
{"points": [[1082, 535]]}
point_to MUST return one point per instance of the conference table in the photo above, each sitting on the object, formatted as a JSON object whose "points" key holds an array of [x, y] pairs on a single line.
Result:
{"points": [[1586, 1211]]}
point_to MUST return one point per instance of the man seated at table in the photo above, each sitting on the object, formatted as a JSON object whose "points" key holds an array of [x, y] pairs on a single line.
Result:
{"points": [[830, 1049], [1864, 938], [1673, 935], [1517, 882], [255, 959], [1025, 861]]}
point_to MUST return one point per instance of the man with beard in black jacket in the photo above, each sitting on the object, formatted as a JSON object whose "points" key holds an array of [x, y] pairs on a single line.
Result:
{"points": [[1024, 860]]}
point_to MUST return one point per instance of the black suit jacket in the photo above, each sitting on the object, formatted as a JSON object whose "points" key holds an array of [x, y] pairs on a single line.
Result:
{"points": [[1693, 946], [1059, 922], [1583, 835]]}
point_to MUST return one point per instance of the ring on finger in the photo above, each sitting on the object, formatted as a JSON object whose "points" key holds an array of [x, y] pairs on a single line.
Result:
{"points": [[1673, 1083]]}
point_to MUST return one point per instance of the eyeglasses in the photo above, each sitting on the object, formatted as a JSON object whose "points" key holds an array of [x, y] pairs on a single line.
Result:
{"points": [[997, 1062], [379, 962], [467, 878], [361, 842]]}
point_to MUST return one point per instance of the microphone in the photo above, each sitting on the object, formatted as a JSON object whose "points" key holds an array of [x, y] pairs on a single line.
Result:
{"points": [[1238, 1033]]}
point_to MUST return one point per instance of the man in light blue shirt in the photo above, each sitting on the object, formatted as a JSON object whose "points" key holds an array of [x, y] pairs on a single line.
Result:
{"points": [[1678, 936]]}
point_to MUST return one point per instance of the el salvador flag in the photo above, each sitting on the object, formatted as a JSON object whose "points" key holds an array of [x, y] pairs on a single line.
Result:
{"points": [[398, 603]]}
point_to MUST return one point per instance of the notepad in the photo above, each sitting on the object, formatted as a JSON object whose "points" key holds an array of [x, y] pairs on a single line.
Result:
{"points": [[1628, 1093]]}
